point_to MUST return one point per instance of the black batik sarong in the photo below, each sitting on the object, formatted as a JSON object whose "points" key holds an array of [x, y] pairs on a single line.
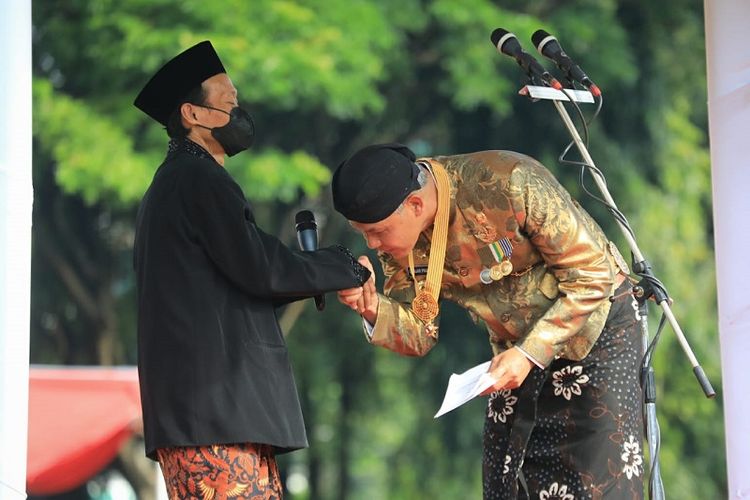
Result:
{"points": [[574, 430]]}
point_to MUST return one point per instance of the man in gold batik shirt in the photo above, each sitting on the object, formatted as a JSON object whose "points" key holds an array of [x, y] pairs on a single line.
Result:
{"points": [[495, 232]]}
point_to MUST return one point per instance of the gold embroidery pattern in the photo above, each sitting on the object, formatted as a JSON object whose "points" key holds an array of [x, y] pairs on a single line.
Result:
{"points": [[554, 304]]}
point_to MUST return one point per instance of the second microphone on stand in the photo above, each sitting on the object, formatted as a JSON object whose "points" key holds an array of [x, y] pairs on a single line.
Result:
{"points": [[549, 47], [307, 237], [507, 43]]}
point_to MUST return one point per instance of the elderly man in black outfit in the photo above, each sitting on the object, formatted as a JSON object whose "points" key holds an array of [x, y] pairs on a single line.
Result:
{"points": [[218, 393]]}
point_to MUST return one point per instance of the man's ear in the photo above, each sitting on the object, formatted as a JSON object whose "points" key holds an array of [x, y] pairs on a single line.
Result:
{"points": [[187, 111], [415, 203]]}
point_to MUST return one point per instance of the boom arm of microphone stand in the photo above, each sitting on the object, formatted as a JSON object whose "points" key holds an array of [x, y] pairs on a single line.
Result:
{"points": [[641, 266]]}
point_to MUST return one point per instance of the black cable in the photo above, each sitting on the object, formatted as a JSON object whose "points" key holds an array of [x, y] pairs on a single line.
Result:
{"points": [[656, 437], [592, 169], [654, 460], [652, 345], [584, 123]]}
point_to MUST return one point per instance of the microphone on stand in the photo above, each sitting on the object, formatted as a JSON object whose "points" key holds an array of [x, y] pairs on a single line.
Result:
{"points": [[507, 43], [307, 237], [549, 47]]}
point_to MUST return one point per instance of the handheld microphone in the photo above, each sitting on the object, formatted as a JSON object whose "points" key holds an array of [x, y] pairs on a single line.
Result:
{"points": [[507, 43], [307, 237], [549, 47]]}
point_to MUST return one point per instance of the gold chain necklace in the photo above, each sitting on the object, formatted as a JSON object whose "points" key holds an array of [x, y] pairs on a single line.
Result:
{"points": [[425, 304]]}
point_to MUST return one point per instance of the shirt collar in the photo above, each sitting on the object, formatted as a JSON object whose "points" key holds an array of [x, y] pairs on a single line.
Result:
{"points": [[185, 145]]}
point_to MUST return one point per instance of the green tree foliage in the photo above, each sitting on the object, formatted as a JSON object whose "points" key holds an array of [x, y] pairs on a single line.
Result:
{"points": [[322, 79]]}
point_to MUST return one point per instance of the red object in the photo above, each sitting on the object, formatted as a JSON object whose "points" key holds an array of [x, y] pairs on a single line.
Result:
{"points": [[78, 419]]}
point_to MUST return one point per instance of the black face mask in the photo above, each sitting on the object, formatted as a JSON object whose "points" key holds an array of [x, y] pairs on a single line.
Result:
{"points": [[238, 134]]}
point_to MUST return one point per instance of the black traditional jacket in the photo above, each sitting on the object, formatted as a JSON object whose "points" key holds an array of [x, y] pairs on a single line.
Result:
{"points": [[212, 360]]}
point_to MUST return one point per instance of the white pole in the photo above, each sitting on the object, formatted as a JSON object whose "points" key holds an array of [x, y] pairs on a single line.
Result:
{"points": [[15, 242], [161, 485], [728, 58]]}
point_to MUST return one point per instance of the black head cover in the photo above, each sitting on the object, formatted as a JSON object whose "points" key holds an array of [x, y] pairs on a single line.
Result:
{"points": [[372, 183], [163, 93]]}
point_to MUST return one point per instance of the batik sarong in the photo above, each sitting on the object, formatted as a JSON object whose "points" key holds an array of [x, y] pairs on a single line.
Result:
{"points": [[574, 430], [220, 472]]}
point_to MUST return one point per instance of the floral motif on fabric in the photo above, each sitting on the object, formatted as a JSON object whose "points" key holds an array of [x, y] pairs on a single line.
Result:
{"points": [[499, 410], [631, 455], [636, 308], [568, 381], [556, 491]]}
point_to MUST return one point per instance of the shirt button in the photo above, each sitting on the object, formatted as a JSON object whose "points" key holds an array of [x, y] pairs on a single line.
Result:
{"points": [[505, 317], [464, 272]]}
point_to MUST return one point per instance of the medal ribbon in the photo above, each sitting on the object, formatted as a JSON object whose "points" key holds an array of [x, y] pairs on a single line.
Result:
{"points": [[500, 252], [501, 249], [425, 304]]}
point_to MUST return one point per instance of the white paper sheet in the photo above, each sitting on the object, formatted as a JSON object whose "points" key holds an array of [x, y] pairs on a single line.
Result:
{"points": [[465, 387]]}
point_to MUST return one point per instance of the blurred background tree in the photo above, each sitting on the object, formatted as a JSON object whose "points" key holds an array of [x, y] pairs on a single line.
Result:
{"points": [[321, 80]]}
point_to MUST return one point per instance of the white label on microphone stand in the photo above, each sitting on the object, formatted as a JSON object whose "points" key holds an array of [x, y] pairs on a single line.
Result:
{"points": [[538, 92]]}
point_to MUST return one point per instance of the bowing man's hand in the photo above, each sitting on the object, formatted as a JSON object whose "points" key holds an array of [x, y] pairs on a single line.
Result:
{"points": [[364, 300], [509, 369]]}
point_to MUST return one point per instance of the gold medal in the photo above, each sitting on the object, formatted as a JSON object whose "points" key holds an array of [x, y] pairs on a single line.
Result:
{"points": [[496, 272], [425, 306], [506, 267], [485, 276]]}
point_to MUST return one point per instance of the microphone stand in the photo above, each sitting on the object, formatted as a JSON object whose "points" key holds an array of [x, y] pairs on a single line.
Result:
{"points": [[647, 288]]}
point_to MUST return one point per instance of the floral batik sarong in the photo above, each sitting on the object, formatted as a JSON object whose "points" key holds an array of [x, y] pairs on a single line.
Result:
{"points": [[220, 472], [574, 430]]}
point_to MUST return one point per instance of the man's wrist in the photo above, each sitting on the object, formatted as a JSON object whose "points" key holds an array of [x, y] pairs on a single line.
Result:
{"points": [[530, 358], [371, 317]]}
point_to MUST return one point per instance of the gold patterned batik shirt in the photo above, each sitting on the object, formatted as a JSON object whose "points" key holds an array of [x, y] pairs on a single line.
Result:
{"points": [[561, 268]]}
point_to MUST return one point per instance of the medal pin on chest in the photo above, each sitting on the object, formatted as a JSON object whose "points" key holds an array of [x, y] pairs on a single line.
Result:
{"points": [[485, 232]]}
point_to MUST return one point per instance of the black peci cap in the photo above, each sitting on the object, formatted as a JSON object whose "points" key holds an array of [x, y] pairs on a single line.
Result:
{"points": [[163, 93], [372, 183]]}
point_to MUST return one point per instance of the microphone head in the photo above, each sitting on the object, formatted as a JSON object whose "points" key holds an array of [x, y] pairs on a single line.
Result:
{"points": [[546, 44], [540, 36], [305, 220], [506, 42], [497, 34]]}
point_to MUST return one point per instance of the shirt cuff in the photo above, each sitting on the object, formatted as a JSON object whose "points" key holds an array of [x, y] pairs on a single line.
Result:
{"points": [[529, 357], [369, 328]]}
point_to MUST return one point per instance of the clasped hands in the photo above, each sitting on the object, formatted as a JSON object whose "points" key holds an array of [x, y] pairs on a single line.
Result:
{"points": [[509, 368], [363, 300]]}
